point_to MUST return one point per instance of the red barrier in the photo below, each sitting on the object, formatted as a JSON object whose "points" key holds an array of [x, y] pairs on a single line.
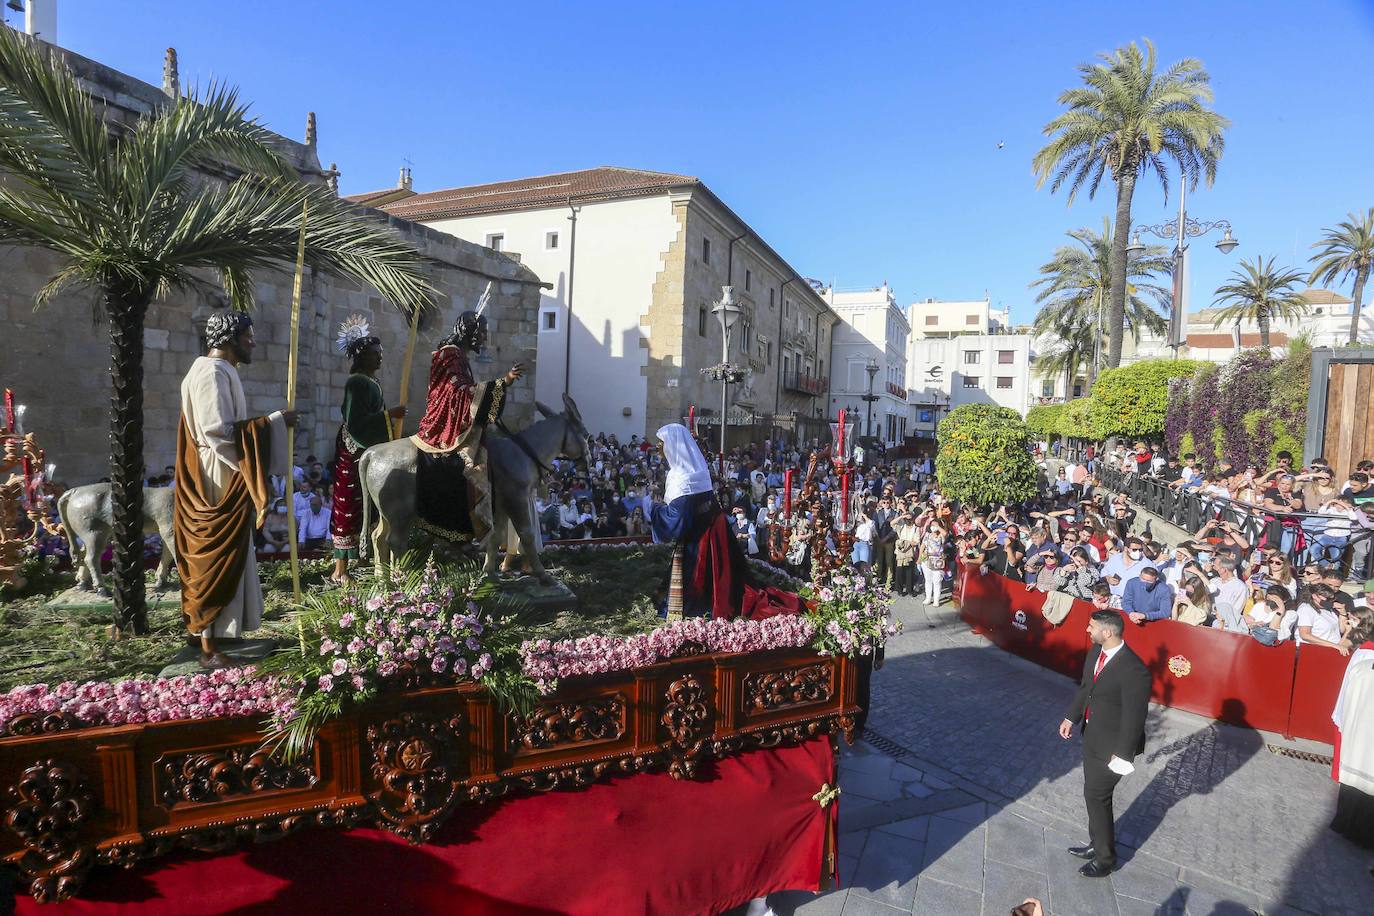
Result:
{"points": [[1009, 615], [1316, 685], [1225, 676]]}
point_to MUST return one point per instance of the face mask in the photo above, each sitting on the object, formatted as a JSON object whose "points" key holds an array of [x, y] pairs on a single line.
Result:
{"points": [[1135, 554], [1149, 586], [1204, 558]]}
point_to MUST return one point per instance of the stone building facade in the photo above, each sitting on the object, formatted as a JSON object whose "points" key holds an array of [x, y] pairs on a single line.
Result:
{"points": [[626, 326], [56, 358]]}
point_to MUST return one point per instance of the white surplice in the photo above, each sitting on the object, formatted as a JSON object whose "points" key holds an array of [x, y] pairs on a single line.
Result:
{"points": [[212, 402]]}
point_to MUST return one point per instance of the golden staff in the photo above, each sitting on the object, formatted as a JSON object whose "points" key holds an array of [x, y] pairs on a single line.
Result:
{"points": [[291, 368], [405, 370]]}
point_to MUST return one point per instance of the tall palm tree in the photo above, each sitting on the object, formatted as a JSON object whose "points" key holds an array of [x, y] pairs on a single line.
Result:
{"points": [[131, 216], [1347, 249], [1125, 119], [1074, 287], [1260, 292]]}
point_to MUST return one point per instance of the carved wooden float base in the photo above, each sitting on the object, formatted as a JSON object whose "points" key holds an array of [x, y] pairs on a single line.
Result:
{"points": [[75, 797]]}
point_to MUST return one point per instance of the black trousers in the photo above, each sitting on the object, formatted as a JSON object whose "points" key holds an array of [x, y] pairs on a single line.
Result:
{"points": [[905, 580], [1099, 783], [885, 560]]}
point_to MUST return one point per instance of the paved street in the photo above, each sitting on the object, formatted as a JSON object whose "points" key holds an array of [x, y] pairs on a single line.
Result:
{"points": [[964, 800]]}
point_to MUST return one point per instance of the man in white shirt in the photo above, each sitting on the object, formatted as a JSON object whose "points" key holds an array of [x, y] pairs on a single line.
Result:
{"points": [[1229, 592], [312, 527], [1125, 566]]}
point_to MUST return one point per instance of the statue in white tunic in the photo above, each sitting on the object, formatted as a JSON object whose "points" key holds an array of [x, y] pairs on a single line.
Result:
{"points": [[223, 491]]}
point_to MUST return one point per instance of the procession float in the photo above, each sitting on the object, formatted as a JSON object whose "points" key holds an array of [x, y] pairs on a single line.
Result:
{"points": [[439, 736]]}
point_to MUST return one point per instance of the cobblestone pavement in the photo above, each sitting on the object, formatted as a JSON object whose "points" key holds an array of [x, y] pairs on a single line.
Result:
{"points": [[964, 799]]}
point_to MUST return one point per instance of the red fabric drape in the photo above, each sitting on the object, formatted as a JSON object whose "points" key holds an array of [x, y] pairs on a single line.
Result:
{"points": [[448, 408], [635, 845]]}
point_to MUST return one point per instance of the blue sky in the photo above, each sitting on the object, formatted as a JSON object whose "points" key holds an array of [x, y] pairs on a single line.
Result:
{"points": [[860, 140]]}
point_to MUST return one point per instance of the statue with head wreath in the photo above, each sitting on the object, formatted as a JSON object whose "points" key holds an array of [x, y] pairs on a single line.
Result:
{"points": [[453, 497], [364, 422]]}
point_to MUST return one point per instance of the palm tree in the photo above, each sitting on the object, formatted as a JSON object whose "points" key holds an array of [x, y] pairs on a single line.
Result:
{"points": [[1069, 350], [1125, 119], [1260, 292], [131, 216], [1075, 283], [1345, 250]]}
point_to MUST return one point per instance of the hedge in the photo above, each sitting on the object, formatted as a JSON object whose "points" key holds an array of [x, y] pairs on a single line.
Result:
{"points": [[1132, 401]]}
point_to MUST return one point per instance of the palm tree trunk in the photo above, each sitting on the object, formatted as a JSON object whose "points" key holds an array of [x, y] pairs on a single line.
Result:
{"points": [[1262, 319], [1361, 275], [125, 308], [1121, 236]]}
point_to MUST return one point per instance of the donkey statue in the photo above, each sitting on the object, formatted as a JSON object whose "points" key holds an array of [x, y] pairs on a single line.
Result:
{"points": [[88, 519], [386, 474]]}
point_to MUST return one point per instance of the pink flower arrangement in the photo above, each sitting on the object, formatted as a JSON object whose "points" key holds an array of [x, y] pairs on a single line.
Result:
{"points": [[545, 662], [224, 692], [851, 616]]}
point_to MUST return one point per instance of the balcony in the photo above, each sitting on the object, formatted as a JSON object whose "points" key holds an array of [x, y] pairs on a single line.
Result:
{"points": [[804, 384], [897, 391]]}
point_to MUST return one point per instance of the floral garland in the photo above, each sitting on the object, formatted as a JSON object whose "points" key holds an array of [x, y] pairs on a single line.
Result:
{"points": [[545, 661], [224, 692]]}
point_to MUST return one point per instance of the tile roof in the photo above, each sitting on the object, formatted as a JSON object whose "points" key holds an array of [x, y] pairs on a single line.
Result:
{"points": [[380, 198], [603, 183], [1324, 297], [1222, 341]]}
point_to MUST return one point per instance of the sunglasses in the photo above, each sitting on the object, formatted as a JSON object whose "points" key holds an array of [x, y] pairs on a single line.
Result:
{"points": [[1275, 562]]}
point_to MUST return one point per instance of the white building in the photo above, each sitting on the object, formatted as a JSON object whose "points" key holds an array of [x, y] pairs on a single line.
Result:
{"points": [[965, 352], [872, 331], [1327, 323], [635, 261]]}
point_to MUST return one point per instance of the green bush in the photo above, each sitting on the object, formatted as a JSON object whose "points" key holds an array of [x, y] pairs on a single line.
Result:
{"points": [[1131, 401], [984, 456], [1076, 420], [1043, 420]]}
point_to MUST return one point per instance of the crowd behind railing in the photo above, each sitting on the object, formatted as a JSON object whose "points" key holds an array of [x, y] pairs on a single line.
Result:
{"points": [[1269, 553]]}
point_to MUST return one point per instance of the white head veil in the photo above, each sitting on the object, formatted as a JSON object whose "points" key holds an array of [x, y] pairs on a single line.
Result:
{"points": [[687, 470]]}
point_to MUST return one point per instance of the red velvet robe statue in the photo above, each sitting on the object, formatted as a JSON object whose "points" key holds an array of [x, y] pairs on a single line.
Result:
{"points": [[457, 411]]}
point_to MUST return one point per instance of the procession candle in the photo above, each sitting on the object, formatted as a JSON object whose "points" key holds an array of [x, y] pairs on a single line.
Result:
{"points": [[844, 499], [692, 418], [9, 410], [28, 474], [787, 494], [18, 427]]}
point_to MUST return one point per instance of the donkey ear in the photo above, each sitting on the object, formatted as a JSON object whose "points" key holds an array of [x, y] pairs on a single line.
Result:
{"points": [[571, 406], [544, 409]]}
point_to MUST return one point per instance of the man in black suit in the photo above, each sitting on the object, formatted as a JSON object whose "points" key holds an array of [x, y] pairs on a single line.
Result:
{"points": [[1112, 701], [885, 542]]}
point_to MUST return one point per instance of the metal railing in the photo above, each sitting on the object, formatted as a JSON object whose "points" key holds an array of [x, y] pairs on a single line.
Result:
{"points": [[1191, 511]]}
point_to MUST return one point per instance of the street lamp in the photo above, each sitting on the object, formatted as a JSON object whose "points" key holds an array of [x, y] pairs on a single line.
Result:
{"points": [[727, 312], [871, 367], [1182, 229]]}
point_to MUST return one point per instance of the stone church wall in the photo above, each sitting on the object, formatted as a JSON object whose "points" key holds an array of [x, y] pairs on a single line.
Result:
{"points": [[57, 358]]}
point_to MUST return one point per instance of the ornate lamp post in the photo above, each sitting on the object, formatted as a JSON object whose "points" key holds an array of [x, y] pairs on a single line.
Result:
{"points": [[1181, 229], [871, 367], [727, 312]]}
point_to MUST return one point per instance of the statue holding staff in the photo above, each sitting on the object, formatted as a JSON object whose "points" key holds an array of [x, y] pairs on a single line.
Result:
{"points": [[223, 462]]}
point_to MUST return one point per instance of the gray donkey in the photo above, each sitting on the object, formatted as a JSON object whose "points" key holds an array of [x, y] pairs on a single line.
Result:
{"points": [[88, 519], [386, 474]]}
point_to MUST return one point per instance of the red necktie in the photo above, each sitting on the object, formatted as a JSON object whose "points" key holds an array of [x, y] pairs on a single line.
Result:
{"points": [[1097, 669]]}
